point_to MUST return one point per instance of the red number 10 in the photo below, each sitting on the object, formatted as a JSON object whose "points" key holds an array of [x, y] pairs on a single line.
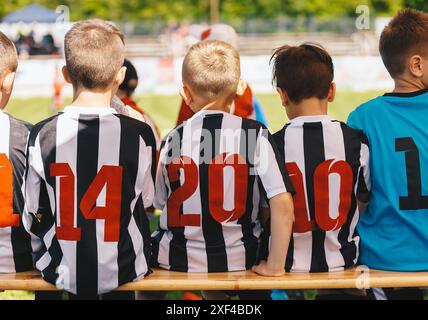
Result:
{"points": [[109, 176], [7, 217], [323, 220]]}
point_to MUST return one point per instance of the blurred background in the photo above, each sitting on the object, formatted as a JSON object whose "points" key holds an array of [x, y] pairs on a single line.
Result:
{"points": [[158, 33]]}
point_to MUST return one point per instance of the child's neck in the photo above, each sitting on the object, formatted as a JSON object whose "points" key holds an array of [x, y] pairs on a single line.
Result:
{"points": [[85, 98], [405, 85], [217, 105], [308, 107]]}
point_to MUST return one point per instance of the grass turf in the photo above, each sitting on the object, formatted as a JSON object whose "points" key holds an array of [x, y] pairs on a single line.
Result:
{"points": [[164, 110]]}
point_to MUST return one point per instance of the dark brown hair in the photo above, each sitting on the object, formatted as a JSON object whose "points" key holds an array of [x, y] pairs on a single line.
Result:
{"points": [[94, 53], [8, 55], [304, 71], [405, 35]]}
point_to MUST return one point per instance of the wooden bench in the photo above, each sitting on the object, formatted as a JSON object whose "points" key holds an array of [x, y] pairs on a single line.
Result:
{"points": [[162, 280]]}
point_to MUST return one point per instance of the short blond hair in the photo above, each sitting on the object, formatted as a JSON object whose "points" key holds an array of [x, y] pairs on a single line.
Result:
{"points": [[94, 53], [212, 69], [8, 55]]}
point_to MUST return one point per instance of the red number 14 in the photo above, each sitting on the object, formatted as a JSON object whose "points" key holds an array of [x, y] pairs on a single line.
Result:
{"points": [[108, 176]]}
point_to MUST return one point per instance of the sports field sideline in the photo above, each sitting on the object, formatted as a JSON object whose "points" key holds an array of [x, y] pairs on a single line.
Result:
{"points": [[164, 110]]}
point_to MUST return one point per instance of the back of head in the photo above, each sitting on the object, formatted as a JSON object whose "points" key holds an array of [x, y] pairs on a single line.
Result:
{"points": [[405, 35], [8, 55], [303, 72], [131, 78], [212, 69], [94, 53]]}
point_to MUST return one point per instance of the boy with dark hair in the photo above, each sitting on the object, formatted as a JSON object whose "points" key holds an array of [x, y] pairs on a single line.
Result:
{"points": [[394, 227], [15, 243], [327, 162], [90, 175]]}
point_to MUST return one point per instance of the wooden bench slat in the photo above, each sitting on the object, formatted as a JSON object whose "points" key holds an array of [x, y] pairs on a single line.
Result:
{"points": [[163, 280]]}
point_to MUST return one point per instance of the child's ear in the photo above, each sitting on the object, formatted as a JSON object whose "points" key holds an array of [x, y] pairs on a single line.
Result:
{"points": [[416, 65], [186, 95], [242, 86], [331, 92], [120, 76], [65, 74], [285, 100], [7, 85]]}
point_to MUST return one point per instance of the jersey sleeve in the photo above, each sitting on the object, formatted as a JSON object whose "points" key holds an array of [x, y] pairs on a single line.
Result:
{"points": [[354, 120], [161, 194], [364, 181], [33, 191], [147, 167], [270, 167]]}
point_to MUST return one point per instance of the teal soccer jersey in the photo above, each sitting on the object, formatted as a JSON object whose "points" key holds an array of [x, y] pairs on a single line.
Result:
{"points": [[394, 228]]}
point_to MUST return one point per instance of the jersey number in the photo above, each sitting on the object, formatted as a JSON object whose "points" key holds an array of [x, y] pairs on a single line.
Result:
{"points": [[110, 178], [216, 191], [414, 199], [302, 222], [7, 217]]}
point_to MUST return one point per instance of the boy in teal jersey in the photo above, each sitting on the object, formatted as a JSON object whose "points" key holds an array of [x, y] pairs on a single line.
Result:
{"points": [[394, 227]]}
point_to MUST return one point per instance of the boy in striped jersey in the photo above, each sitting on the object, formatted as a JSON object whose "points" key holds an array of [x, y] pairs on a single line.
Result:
{"points": [[212, 171], [90, 175], [327, 161], [15, 243]]}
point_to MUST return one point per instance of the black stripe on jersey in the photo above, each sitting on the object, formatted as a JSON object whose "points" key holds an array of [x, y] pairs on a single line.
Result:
{"points": [[125, 252], [248, 150], [177, 247], [86, 171], [212, 230], [352, 144], [48, 154], [21, 241], [279, 139], [313, 144]]}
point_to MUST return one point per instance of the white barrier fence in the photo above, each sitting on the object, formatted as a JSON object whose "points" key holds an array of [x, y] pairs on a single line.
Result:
{"points": [[162, 76]]}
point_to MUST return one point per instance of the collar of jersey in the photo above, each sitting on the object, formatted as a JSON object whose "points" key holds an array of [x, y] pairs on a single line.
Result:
{"points": [[89, 110], [304, 119], [206, 112]]}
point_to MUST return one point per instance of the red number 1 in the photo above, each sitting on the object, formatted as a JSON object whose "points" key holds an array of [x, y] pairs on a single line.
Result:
{"points": [[7, 217]]}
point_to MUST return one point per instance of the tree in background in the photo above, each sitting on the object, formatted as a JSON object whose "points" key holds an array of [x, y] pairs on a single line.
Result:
{"points": [[417, 4], [198, 10]]}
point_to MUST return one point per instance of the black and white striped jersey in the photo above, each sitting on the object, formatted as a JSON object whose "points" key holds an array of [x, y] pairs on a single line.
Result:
{"points": [[15, 242], [211, 174], [328, 163], [90, 177]]}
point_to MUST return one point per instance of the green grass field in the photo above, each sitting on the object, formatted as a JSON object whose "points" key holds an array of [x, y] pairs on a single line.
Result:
{"points": [[164, 110]]}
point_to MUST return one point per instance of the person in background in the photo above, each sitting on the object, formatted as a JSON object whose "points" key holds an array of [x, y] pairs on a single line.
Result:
{"points": [[245, 106], [125, 92]]}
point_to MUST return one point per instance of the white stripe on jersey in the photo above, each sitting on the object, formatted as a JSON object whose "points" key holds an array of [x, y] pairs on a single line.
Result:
{"points": [[230, 140], [196, 245], [7, 263], [294, 152], [66, 151], [333, 149], [108, 154]]}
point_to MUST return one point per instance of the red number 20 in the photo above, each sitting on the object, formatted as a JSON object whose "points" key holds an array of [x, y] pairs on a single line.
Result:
{"points": [[7, 217], [215, 194], [109, 176], [302, 222]]}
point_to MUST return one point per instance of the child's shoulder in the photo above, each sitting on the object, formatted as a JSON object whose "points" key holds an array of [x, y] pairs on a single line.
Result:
{"points": [[18, 124], [369, 105]]}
